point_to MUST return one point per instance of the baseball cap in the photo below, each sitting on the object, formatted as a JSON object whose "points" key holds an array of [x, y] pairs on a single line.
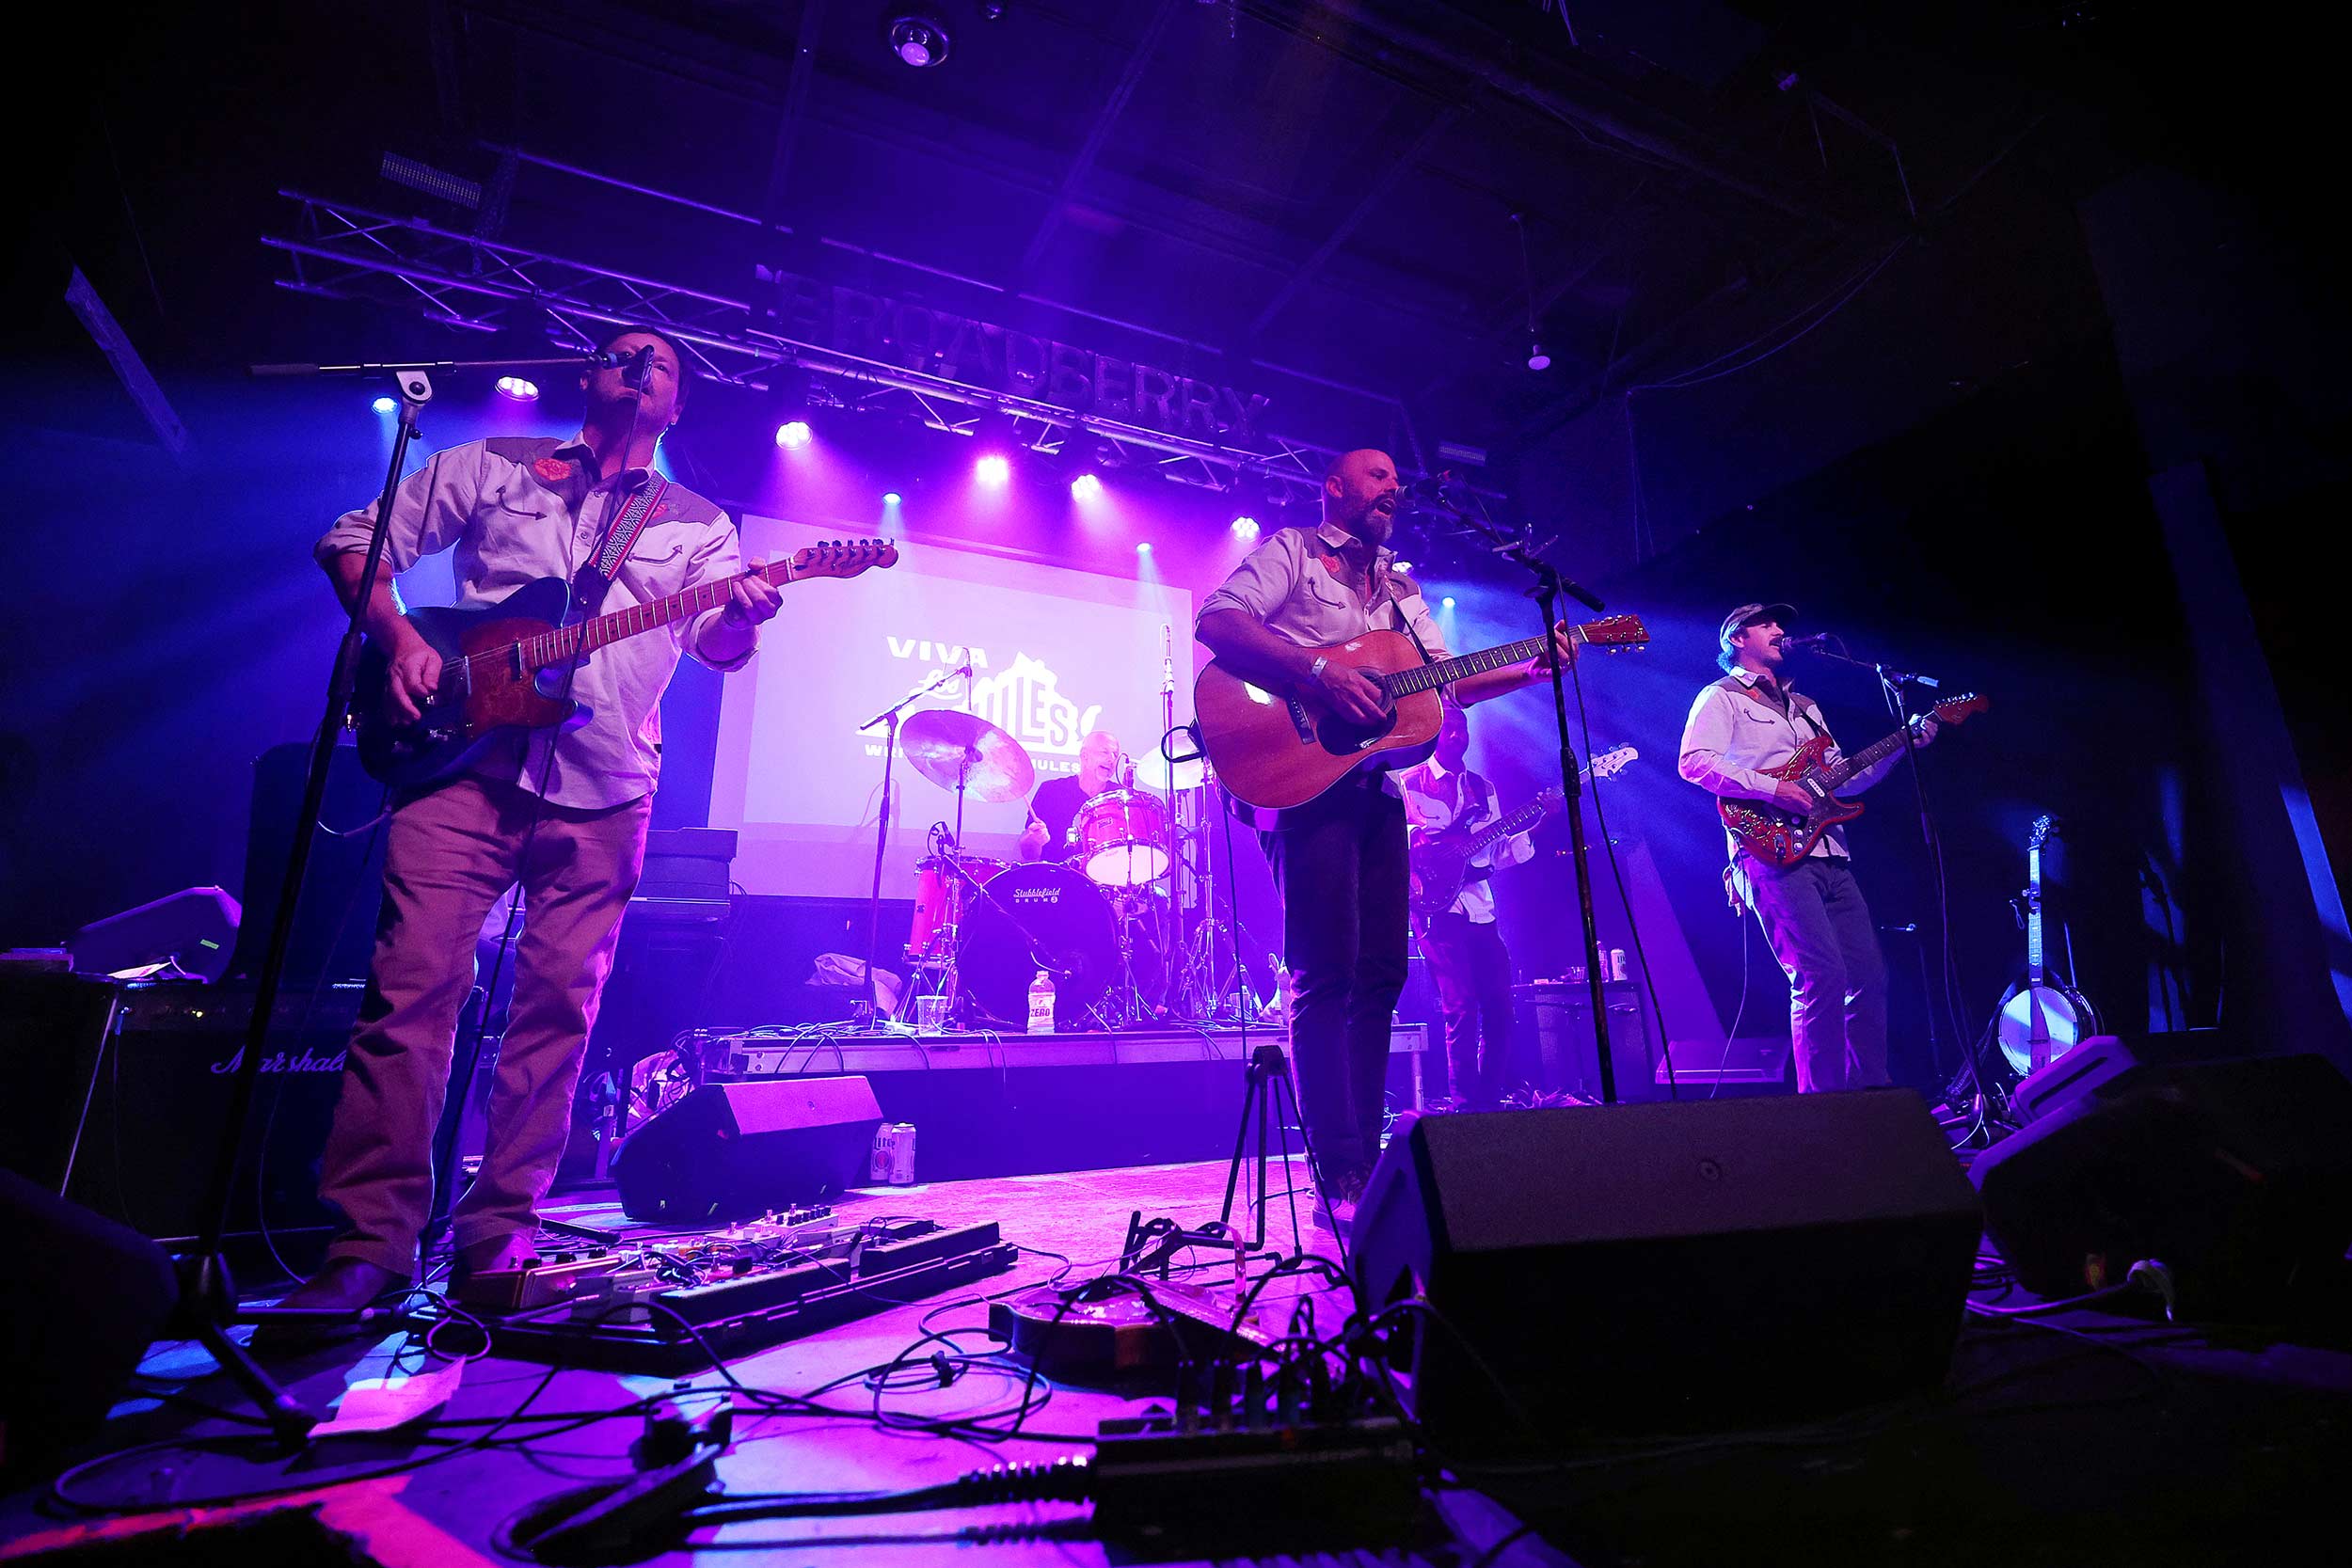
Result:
{"points": [[1748, 615]]}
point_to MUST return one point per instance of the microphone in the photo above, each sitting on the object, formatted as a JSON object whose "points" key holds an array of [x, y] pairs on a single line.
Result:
{"points": [[1167, 658], [1428, 491], [1811, 639], [635, 365]]}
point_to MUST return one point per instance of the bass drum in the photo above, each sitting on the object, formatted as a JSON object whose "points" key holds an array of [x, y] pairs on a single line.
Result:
{"points": [[1052, 912]]}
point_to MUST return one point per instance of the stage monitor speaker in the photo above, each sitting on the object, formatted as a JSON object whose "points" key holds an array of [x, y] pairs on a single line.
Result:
{"points": [[80, 1300], [184, 935], [1668, 1267], [730, 1151], [2236, 1175]]}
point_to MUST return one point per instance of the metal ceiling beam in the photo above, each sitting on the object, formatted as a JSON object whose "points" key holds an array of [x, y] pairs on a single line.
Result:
{"points": [[1308, 270], [795, 107], [1073, 178], [346, 252]]}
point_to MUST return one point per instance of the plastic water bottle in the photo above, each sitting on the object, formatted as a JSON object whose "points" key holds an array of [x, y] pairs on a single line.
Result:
{"points": [[1042, 1003], [1286, 993]]}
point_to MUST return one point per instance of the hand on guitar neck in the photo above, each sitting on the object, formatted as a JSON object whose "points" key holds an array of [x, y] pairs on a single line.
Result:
{"points": [[1791, 796]]}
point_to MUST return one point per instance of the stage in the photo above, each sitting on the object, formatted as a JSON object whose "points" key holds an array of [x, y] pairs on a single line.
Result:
{"points": [[2047, 1436]]}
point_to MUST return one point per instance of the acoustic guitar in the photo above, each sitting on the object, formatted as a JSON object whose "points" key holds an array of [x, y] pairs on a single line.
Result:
{"points": [[1783, 838], [503, 665], [1276, 752]]}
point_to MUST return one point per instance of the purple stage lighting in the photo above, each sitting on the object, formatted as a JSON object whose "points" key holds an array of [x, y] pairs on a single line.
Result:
{"points": [[1086, 487], [1447, 601], [385, 405], [994, 469], [1144, 548], [890, 498], [515, 387], [793, 434], [1246, 526]]}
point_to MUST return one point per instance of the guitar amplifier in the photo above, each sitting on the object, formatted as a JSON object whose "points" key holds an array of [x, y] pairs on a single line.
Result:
{"points": [[686, 864]]}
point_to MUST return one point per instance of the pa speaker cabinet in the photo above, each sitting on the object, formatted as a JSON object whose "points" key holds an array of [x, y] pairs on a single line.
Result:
{"points": [[1663, 1267], [729, 1151], [2236, 1175]]}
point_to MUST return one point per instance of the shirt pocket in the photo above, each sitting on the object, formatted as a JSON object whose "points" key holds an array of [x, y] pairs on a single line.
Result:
{"points": [[658, 563]]}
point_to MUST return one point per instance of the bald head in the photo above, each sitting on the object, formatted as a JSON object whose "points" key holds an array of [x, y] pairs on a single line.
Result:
{"points": [[1359, 493]]}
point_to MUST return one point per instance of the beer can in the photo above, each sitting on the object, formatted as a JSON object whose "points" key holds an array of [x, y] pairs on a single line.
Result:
{"points": [[1616, 964], [902, 1154], [878, 1166]]}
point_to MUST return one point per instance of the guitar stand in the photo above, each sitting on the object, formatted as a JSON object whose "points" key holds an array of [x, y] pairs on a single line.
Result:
{"points": [[1267, 1094]]}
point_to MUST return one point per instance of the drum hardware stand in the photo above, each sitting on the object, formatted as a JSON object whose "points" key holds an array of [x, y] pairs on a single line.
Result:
{"points": [[1267, 1096], [889, 717]]}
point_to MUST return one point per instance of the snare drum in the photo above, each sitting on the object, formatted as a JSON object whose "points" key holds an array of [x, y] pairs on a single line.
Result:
{"points": [[941, 900], [1119, 838]]}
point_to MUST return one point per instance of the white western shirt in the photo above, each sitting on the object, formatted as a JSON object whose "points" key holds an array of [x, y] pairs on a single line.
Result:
{"points": [[1735, 733], [1426, 807]]}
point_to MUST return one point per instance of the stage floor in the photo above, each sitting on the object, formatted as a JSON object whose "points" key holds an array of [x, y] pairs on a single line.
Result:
{"points": [[2083, 1439]]}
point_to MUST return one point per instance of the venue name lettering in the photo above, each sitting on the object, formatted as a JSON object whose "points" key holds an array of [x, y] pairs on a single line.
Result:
{"points": [[921, 338]]}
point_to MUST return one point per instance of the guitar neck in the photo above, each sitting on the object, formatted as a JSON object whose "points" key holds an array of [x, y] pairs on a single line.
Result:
{"points": [[1517, 822], [1447, 671], [568, 643], [2033, 914], [1863, 760]]}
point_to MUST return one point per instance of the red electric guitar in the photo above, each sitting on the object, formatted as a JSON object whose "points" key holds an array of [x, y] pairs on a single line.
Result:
{"points": [[1783, 838]]}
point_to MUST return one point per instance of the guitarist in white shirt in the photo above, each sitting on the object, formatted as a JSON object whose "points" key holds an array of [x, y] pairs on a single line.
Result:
{"points": [[1468, 962], [1813, 912], [562, 814]]}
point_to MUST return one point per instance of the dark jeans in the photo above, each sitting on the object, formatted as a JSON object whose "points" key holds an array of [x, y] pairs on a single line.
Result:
{"points": [[1471, 970], [1819, 929], [1340, 865]]}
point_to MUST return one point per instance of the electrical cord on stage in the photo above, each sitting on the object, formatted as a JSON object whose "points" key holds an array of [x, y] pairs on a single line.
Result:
{"points": [[1739, 1014], [1632, 925]]}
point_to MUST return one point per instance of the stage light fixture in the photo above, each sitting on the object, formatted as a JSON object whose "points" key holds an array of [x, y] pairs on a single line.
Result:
{"points": [[793, 435], [1086, 487], [385, 405], [515, 387], [1536, 359], [890, 498], [1144, 548], [1447, 601], [1246, 526], [918, 39], [993, 468]]}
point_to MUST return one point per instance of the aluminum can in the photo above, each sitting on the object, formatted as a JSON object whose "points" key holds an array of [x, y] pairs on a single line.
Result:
{"points": [[1616, 964], [902, 1154], [885, 1149]]}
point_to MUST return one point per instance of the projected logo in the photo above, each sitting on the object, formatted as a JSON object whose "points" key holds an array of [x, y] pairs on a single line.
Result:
{"points": [[1025, 700]]}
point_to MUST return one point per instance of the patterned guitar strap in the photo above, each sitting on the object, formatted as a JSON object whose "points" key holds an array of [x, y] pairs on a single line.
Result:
{"points": [[594, 579]]}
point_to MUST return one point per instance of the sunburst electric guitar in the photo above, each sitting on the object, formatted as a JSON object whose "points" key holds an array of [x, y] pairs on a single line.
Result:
{"points": [[1276, 750], [1783, 838], [503, 665], [1441, 861]]}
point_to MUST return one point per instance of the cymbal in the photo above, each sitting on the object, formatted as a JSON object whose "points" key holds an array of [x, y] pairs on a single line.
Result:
{"points": [[944, 745], [1191, 773]]}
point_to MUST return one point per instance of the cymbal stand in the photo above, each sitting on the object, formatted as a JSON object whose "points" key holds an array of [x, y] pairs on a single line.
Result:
{"points": [[889, 717]]}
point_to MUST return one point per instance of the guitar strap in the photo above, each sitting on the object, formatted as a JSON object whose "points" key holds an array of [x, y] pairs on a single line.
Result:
{"points": [[595, 578]]}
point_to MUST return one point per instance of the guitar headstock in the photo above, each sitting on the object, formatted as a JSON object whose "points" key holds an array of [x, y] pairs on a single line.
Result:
{"points": [[2043, 826], [1613, 632], [1955, 710], [843, 558], [1610, 764]]}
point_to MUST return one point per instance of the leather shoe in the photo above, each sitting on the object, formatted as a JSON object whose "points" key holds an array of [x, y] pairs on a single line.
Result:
{"points": [[345, 1285]]}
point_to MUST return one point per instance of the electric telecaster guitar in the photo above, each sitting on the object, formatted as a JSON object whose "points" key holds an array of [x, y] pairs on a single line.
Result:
{"points": [[503, 664], [1277, 751], [1442, 860], [1783, 838]]}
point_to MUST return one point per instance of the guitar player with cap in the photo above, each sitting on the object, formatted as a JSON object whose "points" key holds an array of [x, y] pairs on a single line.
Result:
{"points": [[563, 812], [1340, 861], [1813, 914]]}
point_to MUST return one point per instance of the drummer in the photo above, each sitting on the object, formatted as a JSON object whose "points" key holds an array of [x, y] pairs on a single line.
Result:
{"points": [[1102, 765]]}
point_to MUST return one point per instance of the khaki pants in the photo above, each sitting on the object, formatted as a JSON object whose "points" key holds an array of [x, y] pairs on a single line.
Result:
{"points": [[449, 856]]}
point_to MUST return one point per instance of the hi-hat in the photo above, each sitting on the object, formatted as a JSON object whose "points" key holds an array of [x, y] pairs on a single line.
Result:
{"points": [[1191, 773], [947, 747]]}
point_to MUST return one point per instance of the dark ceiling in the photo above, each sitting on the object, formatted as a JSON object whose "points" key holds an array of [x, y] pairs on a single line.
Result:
{"points": [[1335, 188]]}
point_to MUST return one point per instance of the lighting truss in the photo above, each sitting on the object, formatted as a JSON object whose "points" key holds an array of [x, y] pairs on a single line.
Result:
{"points": [[335, 250]]}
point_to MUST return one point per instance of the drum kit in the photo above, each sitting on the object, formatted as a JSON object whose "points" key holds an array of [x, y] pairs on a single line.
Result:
{"points": [[1100, 922]]}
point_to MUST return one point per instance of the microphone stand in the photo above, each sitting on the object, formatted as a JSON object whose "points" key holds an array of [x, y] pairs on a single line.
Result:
{"points": [[1545, 591], [207, 1304], [889, 716], [1891, 684]]}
